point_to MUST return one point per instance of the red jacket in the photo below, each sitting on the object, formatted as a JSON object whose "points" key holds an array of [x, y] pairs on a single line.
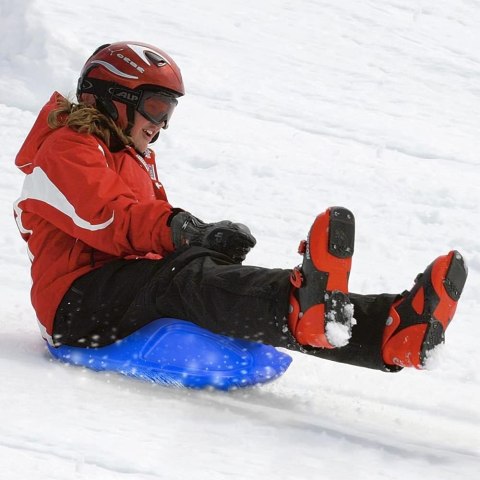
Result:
{"points": [[83, 206]]}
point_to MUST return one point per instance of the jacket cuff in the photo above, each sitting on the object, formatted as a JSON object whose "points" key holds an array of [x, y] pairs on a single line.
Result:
{"points": [[174, 212]]}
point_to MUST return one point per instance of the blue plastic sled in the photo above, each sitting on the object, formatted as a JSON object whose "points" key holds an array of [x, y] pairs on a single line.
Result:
{"points": [[179, 353]]}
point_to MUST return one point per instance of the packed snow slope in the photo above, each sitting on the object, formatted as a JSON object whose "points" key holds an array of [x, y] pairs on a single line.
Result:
{"points": [[292, 106]]}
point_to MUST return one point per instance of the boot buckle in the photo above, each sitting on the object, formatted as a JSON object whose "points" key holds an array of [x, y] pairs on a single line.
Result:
{"points": [[296, 277]]}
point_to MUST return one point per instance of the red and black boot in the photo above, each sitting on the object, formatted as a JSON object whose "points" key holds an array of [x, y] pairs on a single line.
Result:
{"points": [[321, 314], [417, 322]]}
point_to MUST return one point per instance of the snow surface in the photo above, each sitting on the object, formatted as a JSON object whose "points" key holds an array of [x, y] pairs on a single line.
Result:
{"points": [[292, 106]]}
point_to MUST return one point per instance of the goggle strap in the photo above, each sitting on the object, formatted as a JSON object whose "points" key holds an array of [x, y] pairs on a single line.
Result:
{"points": [[109, 90]]}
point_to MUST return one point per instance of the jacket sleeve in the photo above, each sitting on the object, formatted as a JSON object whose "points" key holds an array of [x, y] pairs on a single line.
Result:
{"points": [[72, 187]]}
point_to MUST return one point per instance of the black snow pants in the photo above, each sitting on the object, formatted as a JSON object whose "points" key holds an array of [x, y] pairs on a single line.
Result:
{"points": [[204, 287]]}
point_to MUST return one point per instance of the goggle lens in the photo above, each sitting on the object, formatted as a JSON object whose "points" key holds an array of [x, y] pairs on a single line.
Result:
{"points": [[157, 107]]}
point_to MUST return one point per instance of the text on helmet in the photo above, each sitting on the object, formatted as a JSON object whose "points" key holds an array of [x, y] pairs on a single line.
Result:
{"points": [[131, 62]]}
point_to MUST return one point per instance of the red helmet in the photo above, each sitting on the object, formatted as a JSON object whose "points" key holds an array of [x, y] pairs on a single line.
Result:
{"points": [[128, 76]]}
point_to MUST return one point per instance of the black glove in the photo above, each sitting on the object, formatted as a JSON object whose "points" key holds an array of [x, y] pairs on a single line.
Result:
{"points": [[232, 239]]}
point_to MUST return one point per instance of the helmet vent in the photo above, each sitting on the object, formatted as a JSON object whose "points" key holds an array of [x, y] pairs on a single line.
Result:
{"points": [[155, 58]]}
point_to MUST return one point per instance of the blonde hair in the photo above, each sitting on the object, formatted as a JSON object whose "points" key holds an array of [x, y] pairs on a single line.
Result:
{"points": [[85, 118]]}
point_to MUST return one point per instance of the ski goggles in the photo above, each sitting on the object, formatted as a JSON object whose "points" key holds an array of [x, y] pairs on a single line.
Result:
{"points": [[156, 106]]}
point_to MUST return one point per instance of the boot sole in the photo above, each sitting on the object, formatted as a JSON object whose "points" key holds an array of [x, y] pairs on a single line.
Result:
{"points": [[453, 284], [325, 269], [456, 277], [428, 309], [341, 235], [326, 262]]}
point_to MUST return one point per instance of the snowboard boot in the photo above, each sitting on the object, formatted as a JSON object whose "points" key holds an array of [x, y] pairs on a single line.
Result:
{"points": [[417, 321], [321, 314]]}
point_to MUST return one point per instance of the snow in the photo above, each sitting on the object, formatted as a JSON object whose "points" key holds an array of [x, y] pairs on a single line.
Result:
{"points": [[338, 334], [292, 106]]}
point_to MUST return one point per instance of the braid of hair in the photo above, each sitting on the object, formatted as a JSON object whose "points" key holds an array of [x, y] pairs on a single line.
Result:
{"points": [[86, 119]]}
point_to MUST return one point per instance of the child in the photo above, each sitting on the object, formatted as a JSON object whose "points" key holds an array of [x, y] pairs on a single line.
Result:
{"points": [[110, 254]]}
